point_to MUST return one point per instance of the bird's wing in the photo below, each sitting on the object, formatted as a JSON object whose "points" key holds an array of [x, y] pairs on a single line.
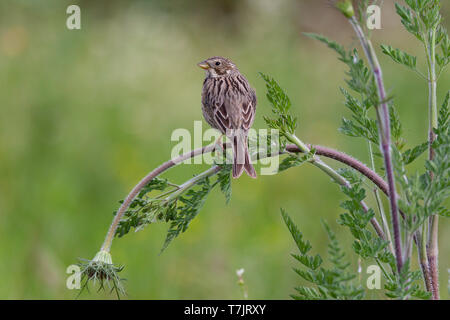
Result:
{"points": [[248, 111], [230, 111], [214, 102], [222, 116]]}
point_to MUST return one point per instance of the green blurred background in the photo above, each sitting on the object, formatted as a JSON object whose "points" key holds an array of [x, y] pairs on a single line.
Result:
{"points": [[84, 114]]}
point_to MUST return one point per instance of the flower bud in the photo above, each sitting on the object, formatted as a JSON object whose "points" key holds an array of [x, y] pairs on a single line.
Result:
{"points": [[103, 256], [346, 7]]}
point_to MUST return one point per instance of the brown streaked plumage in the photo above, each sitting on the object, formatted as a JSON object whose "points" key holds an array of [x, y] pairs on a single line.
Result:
{"points": [[229, 105]]}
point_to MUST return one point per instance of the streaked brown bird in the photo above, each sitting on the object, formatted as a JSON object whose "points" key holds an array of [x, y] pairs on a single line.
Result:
{"points": [[229, 105]]}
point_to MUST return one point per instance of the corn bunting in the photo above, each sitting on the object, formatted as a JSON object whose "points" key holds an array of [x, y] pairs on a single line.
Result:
{"points": [[229, 105]]}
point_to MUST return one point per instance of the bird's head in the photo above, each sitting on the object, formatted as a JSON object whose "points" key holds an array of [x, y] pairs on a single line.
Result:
{"points": [[218, 67]]}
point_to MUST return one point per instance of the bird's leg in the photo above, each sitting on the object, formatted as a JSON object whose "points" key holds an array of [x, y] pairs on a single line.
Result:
{"points": [[219, 142], [219, 145]]}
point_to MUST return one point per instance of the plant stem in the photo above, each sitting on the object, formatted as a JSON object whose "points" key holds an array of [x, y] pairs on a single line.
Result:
{"points": [[379, 203], [347, 160], [432, 253], [188, 184], [423, 259], [382, 111], [335, 176], [433, 225], [432, 97], [320, 150], [386, 275], [135, 191]]}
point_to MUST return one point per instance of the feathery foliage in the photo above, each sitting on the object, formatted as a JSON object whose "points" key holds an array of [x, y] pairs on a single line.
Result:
{"points": [[425, 194], [281, 105], [400, 57], [294, 160], [421, 195], [327, 283], [367, 245], [361, 81], [404, 285], [423, 20], [175, 205]]}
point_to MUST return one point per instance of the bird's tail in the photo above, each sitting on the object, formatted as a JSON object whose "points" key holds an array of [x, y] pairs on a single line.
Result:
{"points": [[241, 156]]}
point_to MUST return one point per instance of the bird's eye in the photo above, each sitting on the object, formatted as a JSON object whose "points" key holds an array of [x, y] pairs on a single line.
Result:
{"points": [[218, 63]]}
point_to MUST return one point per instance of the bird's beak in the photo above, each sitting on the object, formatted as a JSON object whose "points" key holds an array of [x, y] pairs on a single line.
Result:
{"points": [[203, 65]]}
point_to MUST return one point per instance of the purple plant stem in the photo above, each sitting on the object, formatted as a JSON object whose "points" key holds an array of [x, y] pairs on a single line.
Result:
{"points": [[432, 253], [385, 135]]}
